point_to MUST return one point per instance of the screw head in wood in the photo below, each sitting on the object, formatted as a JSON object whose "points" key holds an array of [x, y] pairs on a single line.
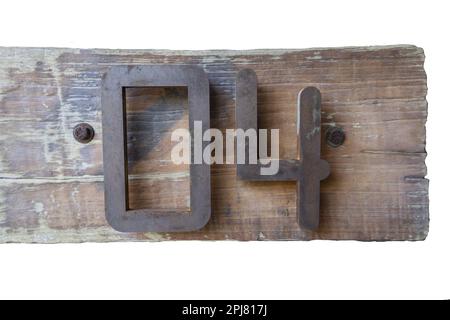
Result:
{"points": [[83, 133], [335, 136]]}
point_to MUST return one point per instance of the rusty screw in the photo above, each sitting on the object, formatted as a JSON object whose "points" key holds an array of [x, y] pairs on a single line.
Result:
{"points": [[335, 136], [83, 132]]}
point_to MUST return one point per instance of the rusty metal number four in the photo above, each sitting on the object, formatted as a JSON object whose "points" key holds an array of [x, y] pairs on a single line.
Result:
{"points": [[307, 170]]}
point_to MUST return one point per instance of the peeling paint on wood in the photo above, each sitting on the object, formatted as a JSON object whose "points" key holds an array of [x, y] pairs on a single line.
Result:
{"points": [[51, 187]]}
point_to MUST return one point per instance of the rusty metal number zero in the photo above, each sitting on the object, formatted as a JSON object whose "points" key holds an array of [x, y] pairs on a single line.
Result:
{"points": [[118, 214], [308, 170]]}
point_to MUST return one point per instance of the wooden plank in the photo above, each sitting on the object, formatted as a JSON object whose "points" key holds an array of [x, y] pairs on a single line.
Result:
{"points": [[51, 187]]}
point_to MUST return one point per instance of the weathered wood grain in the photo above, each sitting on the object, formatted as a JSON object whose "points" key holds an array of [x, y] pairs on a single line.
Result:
{"points": [[51, 187]]}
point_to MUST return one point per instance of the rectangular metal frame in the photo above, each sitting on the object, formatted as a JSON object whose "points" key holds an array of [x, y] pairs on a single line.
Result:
{"points": [[115, 81]]}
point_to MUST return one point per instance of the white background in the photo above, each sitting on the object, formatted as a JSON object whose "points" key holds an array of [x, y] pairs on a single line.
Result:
{"points": [[317, 269]]}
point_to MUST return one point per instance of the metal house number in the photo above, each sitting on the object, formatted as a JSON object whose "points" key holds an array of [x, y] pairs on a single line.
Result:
{"points": [[308, 170]]}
